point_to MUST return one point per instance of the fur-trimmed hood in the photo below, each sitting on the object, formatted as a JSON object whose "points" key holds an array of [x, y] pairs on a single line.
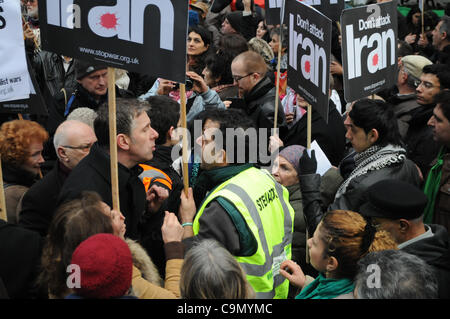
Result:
{"points": [[142, 261]]}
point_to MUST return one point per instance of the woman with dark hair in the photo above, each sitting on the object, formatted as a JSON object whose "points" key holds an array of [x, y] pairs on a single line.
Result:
{"points": [[341, 239], [262, 32], [217, 75], [199, 45], [232, 45], [81, 218]]}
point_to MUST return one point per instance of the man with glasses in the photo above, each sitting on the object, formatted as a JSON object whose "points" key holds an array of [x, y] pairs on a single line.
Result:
{"points": [[404, 102], [72, 142], [250, 75], [420, 146]]}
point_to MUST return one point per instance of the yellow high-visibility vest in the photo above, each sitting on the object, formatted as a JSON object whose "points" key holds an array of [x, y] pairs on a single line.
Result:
{"points": [[264, 205]]}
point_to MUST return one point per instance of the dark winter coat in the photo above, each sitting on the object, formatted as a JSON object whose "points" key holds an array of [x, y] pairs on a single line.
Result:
{"points": [[404, 106], [16, 182], [93, 173], [420, 145], [355, 194], [50, 73], [20, 253], [261, 105], [330, 137], [435, 251], [39, 203]]}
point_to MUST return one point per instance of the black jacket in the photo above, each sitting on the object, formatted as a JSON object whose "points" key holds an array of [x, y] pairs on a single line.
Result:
{"points": [[435, 251], [39, 203], [261, 105], [16, 182], [20, 253], [93, 174], [330, 137], [404, 107], [50, 73], [355, 194], [420, 145]]}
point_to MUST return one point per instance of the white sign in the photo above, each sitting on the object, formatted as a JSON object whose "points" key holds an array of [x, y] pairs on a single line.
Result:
{"points": [[14, 77], [323, 164]]}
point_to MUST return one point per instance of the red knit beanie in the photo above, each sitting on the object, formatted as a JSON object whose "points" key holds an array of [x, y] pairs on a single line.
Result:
{"points": [[106, 267]]}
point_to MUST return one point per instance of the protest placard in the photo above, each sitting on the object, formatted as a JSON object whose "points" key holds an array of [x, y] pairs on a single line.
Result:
{"points": [[309, 54], [331, 8], [369, 49], [35, 104], [14, 78], [146, 36]]}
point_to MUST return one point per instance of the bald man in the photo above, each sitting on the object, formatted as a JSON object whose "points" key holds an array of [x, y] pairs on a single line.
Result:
{"points": [[250, 75], [72, 142]]}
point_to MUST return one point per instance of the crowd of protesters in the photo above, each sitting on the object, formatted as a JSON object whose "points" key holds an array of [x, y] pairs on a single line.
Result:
{"points": [[256, 220]]}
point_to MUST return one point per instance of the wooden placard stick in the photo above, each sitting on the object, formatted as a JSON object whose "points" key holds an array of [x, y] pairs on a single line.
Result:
{"points": [[422, 17], [185, 159], [113, 138], [308, 146], [277, 94], [3, 214]]}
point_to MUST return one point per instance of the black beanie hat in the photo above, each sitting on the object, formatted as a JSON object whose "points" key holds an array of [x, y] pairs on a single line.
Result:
{"points": [[83, 69]]}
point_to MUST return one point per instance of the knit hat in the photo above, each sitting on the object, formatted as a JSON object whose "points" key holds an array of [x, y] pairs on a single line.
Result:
{"points": [[262, 47], [394, 199], [292, 154], [83, 69], [106, 267], [414, 64], [234, 18]]}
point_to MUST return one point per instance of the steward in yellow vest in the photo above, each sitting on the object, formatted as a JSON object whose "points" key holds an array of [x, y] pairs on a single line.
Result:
{"points": [[246, 210]]}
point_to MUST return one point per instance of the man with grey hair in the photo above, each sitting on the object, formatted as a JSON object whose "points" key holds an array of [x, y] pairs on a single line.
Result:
{"points": [[441, 41], [394, 274], [72, 142], [408, 78], [397, 207], [135, 144]]}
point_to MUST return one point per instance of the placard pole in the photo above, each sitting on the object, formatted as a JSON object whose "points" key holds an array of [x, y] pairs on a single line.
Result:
{"points": [[185, 169], [113, 138], [3, 214], [277, 94]]}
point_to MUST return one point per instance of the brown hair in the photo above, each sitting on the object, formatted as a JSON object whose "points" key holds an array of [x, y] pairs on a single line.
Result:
{"points": [[73, 222], [347, 238], [252, 62], [16, 137]]}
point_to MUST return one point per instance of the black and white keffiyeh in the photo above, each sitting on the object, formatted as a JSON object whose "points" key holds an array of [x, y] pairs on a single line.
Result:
{"points": [[374, 158]]}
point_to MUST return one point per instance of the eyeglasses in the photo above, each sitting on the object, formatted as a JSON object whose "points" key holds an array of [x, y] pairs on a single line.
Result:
{"points": [[428, 85], [81, 147], [237, 78]]}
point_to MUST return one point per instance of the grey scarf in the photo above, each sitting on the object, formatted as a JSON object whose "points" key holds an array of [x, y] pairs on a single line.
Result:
{"points": [[374, 158]]}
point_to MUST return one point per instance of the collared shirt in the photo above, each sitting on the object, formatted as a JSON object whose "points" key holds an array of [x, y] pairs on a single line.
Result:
{"points": [[427, 234]]}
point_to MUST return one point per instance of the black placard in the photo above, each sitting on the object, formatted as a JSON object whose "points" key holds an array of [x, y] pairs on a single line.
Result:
{"points": [[309, 54], [369, 49], [145, 36], [331, 8]]}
